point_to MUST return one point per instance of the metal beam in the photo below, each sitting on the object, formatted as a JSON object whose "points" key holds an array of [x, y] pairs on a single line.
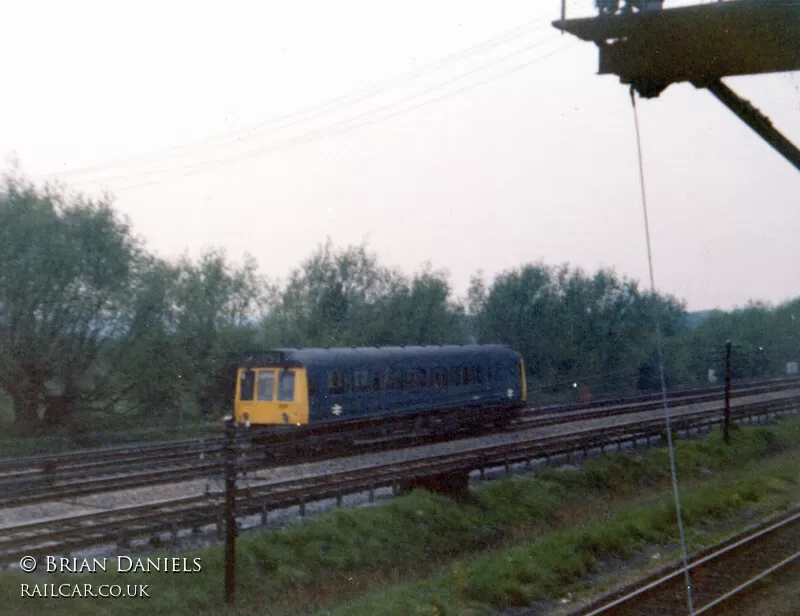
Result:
{"points": [[755, 120], [652, 49]]}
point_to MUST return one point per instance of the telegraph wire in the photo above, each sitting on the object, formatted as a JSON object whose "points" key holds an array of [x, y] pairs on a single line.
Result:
{"points": [[314, 111], [334, 129], [660, 346]]}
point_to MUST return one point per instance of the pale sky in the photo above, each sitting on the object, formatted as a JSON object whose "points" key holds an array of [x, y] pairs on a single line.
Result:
{"points": [[487, 141]]}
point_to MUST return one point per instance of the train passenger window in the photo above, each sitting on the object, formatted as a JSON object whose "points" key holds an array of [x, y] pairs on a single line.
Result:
{"points": [[266, 385], [455, 373], [247, 384], [347, 382], [440, 377], [362, 380], [377, 377], [335, 382], [286, 386], [411, 379], [478, 374], [312, 387], [398, 379], [423, 378], [470, 380]]}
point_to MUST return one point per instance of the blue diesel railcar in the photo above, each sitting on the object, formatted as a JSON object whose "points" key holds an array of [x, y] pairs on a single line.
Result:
{"points": [[317, 386]]}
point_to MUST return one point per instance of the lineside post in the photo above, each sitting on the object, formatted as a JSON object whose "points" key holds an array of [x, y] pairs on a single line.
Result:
{"points": [[726, 425], [230, 509]]}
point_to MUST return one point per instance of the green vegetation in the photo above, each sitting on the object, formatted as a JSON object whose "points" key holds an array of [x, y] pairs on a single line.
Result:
{"points": [[513, 542], [97, 334]]}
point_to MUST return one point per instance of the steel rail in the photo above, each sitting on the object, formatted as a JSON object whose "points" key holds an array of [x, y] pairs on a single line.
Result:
{"points": [[121, 525], [98, 457], [20, 491], [754, 545], [25, 491], [109, 459]]}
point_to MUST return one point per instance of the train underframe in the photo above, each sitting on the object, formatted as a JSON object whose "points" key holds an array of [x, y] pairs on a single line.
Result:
{"points": [[330, 439]]}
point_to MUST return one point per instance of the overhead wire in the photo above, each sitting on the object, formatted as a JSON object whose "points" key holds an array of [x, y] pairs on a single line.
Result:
{"points": [[342, 126], [660, 346], [314, 111]]}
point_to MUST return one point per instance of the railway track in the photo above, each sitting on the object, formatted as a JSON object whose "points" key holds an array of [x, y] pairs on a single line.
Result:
{"points": [[95, 459], [48, 478], [122, 525], [719, 574]]}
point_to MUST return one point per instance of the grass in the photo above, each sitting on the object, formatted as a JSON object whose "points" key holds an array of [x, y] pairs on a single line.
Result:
{"points": [[554, 564], [6, 412], [511, 543]]}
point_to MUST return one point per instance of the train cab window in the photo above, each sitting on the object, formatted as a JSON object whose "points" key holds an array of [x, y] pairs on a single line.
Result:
{"points": [[266, 385], [247, 383], [335, 382], [286, 386]]}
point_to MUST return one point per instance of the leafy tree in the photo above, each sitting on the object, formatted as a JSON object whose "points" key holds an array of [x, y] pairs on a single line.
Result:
{"points": [[571, 327], [763, 339], [346, 298], [67, 271], [217, 307]]}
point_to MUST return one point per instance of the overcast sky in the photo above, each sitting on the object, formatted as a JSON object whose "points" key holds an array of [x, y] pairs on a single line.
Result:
{"points": [[470, 134]]}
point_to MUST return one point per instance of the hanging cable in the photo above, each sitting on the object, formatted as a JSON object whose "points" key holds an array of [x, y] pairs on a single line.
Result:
{"points": [[657, 318]]}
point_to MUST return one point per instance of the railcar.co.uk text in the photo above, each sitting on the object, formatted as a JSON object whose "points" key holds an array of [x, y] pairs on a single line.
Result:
{"points": [[120, 564]]}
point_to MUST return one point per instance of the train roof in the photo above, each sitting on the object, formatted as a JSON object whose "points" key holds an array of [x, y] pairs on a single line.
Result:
{"points": [[341, 356]]}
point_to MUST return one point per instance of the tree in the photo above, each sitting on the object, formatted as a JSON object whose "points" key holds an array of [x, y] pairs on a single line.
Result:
{"points": [[217, 308], [764, 339], [571, 327], [346, 298], [67, 271]]}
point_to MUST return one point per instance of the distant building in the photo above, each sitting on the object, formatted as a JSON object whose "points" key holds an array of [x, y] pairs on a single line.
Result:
{"points": [[792, 367]]}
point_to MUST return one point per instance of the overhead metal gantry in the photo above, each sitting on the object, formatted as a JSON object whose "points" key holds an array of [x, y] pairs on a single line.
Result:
{"points": [[652, 47]]}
